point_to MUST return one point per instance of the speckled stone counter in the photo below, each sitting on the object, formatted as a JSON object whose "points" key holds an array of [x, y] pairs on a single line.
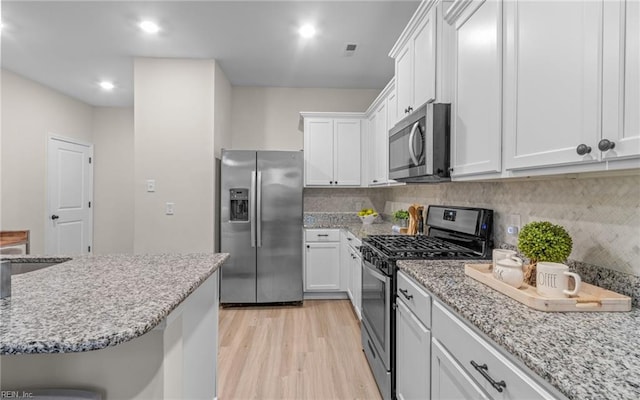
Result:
{"points": [[92, 302], [588, 355]]}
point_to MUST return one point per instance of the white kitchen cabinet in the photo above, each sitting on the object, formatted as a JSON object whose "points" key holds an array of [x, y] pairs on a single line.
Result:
{"points": [[351, 269], [571, 76], [322, 271], [413, 341], [552, 81], [477, 87], [621, 79], [415, 61], [449, 380], [332, 149], [467, 365], [379, 119]]}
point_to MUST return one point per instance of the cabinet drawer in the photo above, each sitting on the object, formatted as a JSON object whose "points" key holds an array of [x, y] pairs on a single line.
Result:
{"points": [[418, 301], [353, 240], [322, 235], [466, 347]]}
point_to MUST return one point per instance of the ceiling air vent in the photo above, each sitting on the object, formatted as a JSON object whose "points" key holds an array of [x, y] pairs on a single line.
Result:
{"points": [[349, 49]]}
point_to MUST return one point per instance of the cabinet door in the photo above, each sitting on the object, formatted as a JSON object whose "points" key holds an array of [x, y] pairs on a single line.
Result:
{"points": [[322, 267], [553, 79], [404, 81], [477, 107], [392, 109], [424, 60], [413, 355], [371, 144], [381, 139], [449, 380], [357, 283], [346, 152], [621, 78], [318, 149], [345, 265]]}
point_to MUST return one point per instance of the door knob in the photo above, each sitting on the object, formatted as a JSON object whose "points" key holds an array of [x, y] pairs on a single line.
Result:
{"points": [[605, 145], [54, 217], [583, 149]]}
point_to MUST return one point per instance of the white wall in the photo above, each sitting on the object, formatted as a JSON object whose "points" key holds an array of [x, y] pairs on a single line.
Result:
{"points": [[266, 118], [113, 180], [30, 113], [174, 144]]}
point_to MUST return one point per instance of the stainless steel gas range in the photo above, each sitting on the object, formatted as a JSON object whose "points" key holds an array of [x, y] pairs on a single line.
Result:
{"points": [[453, 233]]}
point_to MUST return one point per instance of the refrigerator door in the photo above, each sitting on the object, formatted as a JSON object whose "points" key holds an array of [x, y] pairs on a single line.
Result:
{"points": [[238, 274], [279, 231]]}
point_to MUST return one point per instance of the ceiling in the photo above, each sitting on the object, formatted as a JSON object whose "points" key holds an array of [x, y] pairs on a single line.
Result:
{"points": [[71, 46]]}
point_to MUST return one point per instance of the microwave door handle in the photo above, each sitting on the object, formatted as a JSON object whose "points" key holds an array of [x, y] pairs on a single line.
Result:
{"points": [[412, 136]]}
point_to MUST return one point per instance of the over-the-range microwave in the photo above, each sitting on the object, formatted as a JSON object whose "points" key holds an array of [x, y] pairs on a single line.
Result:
{"points": [[419, 145]]}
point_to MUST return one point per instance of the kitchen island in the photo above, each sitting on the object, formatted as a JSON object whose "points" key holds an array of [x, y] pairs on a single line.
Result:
{"points": [[583, 355], [128, 326]]}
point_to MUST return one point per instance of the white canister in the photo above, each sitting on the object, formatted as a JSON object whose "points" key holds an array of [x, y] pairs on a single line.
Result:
{"points": [[509, 271], [499, 254]]}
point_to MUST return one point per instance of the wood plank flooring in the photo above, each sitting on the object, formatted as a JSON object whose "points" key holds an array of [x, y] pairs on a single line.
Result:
{"points": [[308, 352]]}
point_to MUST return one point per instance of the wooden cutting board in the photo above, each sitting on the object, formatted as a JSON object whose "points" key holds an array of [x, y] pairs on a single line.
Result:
{"points": [[590, 298]]}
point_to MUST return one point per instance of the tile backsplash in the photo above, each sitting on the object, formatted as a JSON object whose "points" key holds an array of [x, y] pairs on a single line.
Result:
{"points": [[601, 214]]}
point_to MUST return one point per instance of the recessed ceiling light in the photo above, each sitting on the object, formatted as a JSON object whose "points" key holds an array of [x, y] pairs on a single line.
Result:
{"points": [[307, 31], [149, 26], [106, 85]]}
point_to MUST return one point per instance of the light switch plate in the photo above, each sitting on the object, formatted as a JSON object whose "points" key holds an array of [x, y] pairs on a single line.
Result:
{"points": [[169, 208], [151, 185]]}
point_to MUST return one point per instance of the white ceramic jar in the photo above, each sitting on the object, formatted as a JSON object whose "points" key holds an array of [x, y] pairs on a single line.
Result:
{"points": [[509, 271]]}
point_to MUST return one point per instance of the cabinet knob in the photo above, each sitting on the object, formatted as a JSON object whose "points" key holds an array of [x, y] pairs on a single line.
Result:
{"points": [[583, 149], [330, 182], [308, 247], [605, 145], [410, 108], [54, 217], [336, 182], [375, 181]]}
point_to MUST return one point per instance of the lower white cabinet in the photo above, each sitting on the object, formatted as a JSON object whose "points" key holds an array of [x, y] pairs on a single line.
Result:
{"points": [[413, 349], [466, 365], [413, 340], [449, 380], [322, 260], [351, 267]]}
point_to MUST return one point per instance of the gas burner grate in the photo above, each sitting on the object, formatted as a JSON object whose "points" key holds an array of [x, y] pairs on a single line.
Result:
{"points": [[418, 247]]}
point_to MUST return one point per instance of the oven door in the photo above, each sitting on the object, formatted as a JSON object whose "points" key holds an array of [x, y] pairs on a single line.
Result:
{"points": [[376, 310]]}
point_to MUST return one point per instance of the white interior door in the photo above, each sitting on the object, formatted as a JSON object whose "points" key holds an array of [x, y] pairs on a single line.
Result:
{"points": [[70, 191]]}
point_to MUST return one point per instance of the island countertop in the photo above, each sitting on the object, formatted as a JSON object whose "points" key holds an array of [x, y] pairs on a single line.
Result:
{"points": [[585, 355], [92, 302]]}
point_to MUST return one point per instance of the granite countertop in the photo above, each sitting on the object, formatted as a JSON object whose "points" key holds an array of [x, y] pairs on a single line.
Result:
{"points": [[585, 355], [92, 302], [357, 228]]}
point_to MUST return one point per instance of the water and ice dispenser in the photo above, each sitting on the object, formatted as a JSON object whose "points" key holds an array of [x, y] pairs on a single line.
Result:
{"points": [[239, 199]]}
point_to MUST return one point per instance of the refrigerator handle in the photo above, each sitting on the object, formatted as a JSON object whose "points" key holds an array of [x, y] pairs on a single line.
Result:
{"points": [[252, 208], [259, 210]]}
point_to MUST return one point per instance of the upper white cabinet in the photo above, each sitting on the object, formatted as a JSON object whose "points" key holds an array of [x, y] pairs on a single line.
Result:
{"points": [[379, 123], [332, 147], [621, 79], [477, 97], [571, 76], [415, 59]]}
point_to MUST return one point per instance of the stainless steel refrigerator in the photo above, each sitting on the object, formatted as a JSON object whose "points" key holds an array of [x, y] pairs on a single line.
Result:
{"points": [[261, 226]]}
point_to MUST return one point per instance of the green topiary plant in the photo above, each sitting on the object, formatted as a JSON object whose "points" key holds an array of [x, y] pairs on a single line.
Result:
{"points": [[401, 214], [543, 241]]}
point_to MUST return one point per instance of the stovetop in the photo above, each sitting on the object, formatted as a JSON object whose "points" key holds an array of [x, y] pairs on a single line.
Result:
{"points": [[396, 247]]}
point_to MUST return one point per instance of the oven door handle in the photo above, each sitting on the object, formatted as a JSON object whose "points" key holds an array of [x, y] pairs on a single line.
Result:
{"points": [[375, 273], [412, 135]]}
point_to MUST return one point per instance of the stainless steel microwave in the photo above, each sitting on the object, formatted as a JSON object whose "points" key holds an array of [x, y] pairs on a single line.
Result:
{"points": [[419, 145]]}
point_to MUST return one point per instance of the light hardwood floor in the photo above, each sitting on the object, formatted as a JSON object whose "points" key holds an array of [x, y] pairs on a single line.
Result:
{"points": [[308, 352]]}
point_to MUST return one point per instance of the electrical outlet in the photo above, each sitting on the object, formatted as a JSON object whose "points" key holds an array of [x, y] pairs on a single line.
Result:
{"points": [[151, 185], [512, 228], [169, 208]]}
